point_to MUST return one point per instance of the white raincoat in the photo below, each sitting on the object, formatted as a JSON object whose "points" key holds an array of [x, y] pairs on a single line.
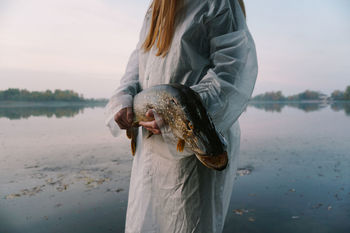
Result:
{"points": [[212, 52]]}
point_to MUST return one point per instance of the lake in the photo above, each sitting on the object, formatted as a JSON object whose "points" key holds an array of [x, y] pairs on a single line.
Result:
{"points": [[62, 171]]}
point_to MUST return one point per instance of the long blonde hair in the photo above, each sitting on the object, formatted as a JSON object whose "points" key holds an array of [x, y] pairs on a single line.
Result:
{"points": [[162, 27]]}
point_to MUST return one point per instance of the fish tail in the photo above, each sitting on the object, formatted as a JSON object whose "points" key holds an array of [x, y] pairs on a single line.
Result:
{"points": [[131, 133]]}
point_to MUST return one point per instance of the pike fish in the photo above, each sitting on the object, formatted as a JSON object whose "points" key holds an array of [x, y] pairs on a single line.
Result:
{"points": [[182, 110]]}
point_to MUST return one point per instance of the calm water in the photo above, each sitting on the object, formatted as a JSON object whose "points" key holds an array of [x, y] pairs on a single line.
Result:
{"points": [[62, 171]]}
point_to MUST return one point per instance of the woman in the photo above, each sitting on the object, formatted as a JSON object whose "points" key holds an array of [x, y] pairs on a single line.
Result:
{"points": [[206, 45]]}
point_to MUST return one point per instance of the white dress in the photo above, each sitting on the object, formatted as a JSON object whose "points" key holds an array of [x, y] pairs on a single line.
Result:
{"points": [[213, 52]]}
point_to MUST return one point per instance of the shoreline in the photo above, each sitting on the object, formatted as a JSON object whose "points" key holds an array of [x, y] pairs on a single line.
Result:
{"points": [[15, 104]]}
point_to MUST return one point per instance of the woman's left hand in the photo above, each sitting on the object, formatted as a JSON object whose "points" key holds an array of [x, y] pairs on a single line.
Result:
{"points": [[150, 125]]}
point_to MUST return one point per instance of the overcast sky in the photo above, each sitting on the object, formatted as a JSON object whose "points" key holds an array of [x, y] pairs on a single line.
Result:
{"points": [[84, 45]]}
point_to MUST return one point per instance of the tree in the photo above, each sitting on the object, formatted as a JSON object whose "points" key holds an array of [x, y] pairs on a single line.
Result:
{"points": [[270, 96], [337, 95], [307, 95], [347, 93], [15, 94]]}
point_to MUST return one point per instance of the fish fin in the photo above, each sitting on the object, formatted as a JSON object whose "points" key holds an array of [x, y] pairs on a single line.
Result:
{"points": [[218, 162], [133, 135], [149, 134], [133, 146], [129, 132], [180, 145]]}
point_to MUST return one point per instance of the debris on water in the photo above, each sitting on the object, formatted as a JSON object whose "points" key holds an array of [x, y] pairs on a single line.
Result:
{"points": [[251, 219], [337, 197], [240, 211], [29, 167], [119, 190], [252, 194], [13, 195], [244, 171], [32, 191], [60, 175], [61, 183], [295, 217], [58, 205], [291, 190], [51, 169], [93, 183], [316, 206], [25, 192], [52, 181], [39, 175], [62, 187], [329, 207]]}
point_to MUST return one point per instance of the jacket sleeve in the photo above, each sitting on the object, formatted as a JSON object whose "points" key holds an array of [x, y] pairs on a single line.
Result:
{"points": [[229, 82], [123, 96], [129, 86]]}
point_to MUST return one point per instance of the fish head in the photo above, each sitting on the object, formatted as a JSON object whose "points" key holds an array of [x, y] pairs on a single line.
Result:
{"points": [[203, 138], [196, 126], [209, 146]]}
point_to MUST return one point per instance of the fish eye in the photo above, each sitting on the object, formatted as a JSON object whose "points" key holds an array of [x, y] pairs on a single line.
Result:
{"points": [[173, 101], [189, 125]]}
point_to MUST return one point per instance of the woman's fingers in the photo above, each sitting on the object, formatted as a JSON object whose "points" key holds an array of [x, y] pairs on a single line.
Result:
{"points": [[151, 126], [150, 113], [122, 124], [124, 118], [154, 131]]}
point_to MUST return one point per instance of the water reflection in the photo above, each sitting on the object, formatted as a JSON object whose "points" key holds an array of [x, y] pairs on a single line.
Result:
{"points": [[269, 107], [339, 106], [22, 112], [306, 107], [49, 111]]}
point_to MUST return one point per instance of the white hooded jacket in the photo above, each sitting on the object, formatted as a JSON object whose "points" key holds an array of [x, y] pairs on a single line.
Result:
{"points": [[212, 52]]}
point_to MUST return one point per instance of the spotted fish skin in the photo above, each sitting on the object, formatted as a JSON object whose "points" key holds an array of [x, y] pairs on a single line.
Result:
{"points": [[182, 110]]}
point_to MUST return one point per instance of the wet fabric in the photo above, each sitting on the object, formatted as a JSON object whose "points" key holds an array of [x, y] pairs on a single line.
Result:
{"points": [[212, 52]]}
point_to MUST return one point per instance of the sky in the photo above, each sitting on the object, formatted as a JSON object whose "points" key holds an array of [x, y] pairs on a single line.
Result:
{"points": [[84, 45]]}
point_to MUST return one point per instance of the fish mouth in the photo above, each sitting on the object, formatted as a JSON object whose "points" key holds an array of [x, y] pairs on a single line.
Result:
{"points": [[217, 162]]}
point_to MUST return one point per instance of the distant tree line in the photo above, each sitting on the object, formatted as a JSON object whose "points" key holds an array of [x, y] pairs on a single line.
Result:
{"points": [[307, 95], [15, 94], [341, 95]]}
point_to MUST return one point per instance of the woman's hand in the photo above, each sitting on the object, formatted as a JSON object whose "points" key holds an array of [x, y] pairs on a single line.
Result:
{"points": [[150, 125], [124, 118]]}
